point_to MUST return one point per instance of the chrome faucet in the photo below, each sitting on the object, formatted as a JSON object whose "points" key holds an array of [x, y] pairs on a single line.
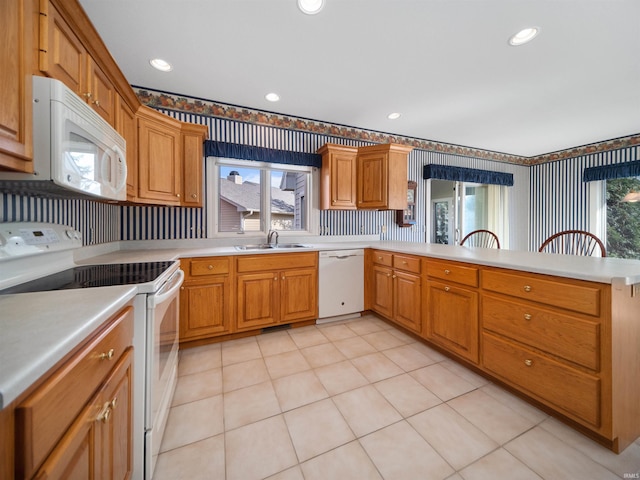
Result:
{"points": [[270, 235]]}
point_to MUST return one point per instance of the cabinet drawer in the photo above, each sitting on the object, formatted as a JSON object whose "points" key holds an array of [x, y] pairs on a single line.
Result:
{"points": [[453, 272], [578, 297], [209, 266], [45, 415], [567, 337], [571, 391], [257, 263], [383, 258], [404, 262]]}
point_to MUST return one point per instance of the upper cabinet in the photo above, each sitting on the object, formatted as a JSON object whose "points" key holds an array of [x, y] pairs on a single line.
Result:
{"points": [[16, 150], [62, 55], [338, 177], [169, 160], [372, 177], [382, 177]]}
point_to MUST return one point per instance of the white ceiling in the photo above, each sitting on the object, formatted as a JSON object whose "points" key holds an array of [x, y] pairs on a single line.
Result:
{"points": [[444, 64]]}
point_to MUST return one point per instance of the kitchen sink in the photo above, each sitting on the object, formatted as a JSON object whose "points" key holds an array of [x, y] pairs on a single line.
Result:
{"points": [[268, 246]]}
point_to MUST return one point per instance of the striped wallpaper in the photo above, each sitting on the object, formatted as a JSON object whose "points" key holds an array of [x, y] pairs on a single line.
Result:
{"points": [[551, 193]]}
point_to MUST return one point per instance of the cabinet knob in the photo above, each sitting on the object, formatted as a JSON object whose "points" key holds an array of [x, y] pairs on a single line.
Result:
{"points": [[107, 355], [379, 258], [210, 267], [527, 288], [97, 103], [87, 95], [193, 195], [388, 274], [178, 195], [447, 272], [275, 278], [527, 316], [282, 278], [394, 276], [404, 262], [528, 362], [446, 289]]}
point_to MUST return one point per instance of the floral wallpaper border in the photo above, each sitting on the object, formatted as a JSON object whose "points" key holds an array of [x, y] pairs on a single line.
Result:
{"points": [[183, 103]]}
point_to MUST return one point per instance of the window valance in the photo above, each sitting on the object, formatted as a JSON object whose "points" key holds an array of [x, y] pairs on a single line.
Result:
{"points": [[461, 174], [261, 154], [607, 172]]}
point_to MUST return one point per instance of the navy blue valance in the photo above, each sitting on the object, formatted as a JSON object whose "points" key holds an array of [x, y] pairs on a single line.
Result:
{"points": [[461, 174], [607, 172], [261, 154]]}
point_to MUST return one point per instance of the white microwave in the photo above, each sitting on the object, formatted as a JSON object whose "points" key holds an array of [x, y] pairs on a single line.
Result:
{"points": [[76, 153]]}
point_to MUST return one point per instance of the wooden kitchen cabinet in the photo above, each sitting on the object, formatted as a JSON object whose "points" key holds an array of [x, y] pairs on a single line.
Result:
{"points": [[381, 176], [274, 289], [76, 423], [193, 137], [397, 288], [159, 158], [206, 305], [338, 177], [16, 130], [63, 56], [127, 126], [453, 299], [544, 335]]}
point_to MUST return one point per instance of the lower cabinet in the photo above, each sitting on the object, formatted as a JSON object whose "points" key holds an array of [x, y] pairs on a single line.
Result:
{"points": [[273, 289], [452, 299], [397, 288], [77, 422], [206, 305]]}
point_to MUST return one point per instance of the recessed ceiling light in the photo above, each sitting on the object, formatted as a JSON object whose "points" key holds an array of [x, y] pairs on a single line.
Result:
{"points": [[524, 36], [272, 97], [310, 7], [161, 65], [393, 116]]}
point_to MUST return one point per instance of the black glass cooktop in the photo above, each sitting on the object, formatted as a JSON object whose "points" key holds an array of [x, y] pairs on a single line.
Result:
{"points": [[88, 276]]}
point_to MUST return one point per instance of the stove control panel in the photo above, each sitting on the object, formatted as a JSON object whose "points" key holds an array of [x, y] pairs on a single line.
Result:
{"points": [[28, 238]]}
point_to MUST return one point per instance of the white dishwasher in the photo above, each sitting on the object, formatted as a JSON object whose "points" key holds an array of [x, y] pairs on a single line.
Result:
{"points": [[341, 283]]}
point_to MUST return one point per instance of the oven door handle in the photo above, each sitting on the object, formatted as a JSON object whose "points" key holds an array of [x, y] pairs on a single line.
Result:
{"points": [[167, 290]]}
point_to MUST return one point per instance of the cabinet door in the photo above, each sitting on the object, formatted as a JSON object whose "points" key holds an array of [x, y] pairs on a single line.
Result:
{"points": [[16, 150], [159, 165], [115, 422], [127, 127], [205, 309], [453, 319], [372, 180], [193, 164], [258, 300], [299, 295], [407, 300], [101, 92], [62, 55], [75, 456], [342, 181], [382, 297]]}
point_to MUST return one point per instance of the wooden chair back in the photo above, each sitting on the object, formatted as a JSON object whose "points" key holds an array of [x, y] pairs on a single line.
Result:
{"points": [[574, 242], [481, 238]]}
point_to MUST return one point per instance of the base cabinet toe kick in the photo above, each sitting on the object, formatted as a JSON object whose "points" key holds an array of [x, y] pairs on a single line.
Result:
{"points": [[569, 346]]}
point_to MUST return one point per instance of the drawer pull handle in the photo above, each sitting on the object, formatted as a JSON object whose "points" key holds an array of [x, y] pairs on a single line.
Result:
{"points": [[527, 316], [527, 288], [108, 355], [528, 362], [210, 267], [447, 272], [114, 402], [446, 289], [105, 413]]}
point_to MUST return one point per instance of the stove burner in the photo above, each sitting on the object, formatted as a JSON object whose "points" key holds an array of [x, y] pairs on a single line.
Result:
{"points": [[90, 276]]}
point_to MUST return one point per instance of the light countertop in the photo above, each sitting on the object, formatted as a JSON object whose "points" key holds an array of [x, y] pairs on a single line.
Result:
{"points": [[37, 330]]}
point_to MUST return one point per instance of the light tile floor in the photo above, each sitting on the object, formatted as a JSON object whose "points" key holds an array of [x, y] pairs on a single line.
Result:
{"points": [[361, 400]]}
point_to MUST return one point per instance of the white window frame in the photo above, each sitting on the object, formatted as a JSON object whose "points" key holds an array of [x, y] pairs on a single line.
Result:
{"points": [[212, 182]]}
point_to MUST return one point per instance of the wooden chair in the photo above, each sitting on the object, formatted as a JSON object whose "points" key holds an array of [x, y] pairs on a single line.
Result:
{"points": [[481, 238], [573, 242]]}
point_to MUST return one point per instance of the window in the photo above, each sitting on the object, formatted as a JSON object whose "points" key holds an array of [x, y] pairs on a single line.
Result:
{"points": [[623, 219], [248, 197]]}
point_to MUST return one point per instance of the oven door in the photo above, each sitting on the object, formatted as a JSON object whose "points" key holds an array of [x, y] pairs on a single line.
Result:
{"points": [[162, 363]]}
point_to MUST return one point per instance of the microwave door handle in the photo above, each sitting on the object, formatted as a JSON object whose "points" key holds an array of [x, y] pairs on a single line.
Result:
{"points": [[120, 167], [105, 166]]}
